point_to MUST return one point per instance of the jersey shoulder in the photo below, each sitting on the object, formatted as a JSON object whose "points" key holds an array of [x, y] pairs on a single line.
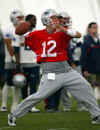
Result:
{"points": [[8, 31], [36, 33], [39, 31]]}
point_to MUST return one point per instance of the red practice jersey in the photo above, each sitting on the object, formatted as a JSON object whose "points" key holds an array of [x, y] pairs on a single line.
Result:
{"points": [[48, 47]]}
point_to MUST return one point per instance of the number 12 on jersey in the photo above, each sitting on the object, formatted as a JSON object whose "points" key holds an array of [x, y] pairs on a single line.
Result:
{"points": [[48, 52]]}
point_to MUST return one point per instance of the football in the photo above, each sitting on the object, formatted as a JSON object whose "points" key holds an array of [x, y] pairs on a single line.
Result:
{"points": [[22, 28]]}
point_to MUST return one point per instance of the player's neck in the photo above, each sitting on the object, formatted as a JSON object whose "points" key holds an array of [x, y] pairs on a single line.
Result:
{"points": [[49, 30]]}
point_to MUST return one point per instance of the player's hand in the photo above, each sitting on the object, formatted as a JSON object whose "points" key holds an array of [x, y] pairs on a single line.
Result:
{"points": [[60, 28], [13, 58], [73, 65]]}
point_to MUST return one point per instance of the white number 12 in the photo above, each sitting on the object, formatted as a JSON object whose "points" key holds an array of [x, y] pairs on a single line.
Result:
{"points": [[49, 54]]}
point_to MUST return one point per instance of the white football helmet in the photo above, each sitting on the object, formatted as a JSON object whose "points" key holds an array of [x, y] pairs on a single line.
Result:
{"points": [[14, 15], [67, 21], [45, 17], [19, 80]]}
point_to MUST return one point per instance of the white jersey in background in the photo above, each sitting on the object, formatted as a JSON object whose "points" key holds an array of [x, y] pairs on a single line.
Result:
{"points": [[9, 33], [27, 56], [77, 49]]}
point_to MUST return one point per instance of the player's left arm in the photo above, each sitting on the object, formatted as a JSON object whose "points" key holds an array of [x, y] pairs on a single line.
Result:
{"points": [[8, 41], [17, 54], [70, 31], [9, 47], [11, 50], [73, 33]]}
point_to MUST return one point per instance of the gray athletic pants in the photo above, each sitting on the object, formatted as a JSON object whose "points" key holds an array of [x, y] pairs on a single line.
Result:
{"points": [[66, 101], [72, 81], [65, 98]]}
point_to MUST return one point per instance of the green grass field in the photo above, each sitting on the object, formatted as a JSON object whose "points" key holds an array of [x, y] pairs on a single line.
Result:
{"points": [[73, 120]]}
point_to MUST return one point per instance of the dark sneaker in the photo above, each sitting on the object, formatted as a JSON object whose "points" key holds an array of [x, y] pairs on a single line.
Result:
{"points": [[96, 120], [11, 120]]}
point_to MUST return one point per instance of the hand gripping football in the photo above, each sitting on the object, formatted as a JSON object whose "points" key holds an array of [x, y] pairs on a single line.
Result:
{"points": [[22, 28]]}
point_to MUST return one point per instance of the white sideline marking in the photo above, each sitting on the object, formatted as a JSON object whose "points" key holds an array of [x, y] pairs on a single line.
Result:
{"points": [[5, 128]]}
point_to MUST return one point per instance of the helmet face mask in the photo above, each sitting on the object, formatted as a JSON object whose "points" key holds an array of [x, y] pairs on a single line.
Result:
{"points": [[46, 21], [65, 19], [46, 16]]}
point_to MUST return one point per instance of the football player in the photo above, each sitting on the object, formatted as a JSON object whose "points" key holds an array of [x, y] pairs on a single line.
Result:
{"points": [[50, 47], [2, 58], [52, 102], [66, 21], [28, 63], [12, 58]]}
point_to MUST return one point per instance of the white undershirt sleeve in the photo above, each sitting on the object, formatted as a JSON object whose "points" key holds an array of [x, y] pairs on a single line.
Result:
{"points": [[72, 32]]}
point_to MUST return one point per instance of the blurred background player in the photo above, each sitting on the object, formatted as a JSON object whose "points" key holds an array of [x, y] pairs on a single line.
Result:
{"points": [[12, 60], [74, 53], [2, 58], [28, 64], [52, 102]]}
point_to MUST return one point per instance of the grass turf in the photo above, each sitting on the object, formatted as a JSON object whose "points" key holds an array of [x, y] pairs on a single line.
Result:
{"points": [[73, 120]]}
